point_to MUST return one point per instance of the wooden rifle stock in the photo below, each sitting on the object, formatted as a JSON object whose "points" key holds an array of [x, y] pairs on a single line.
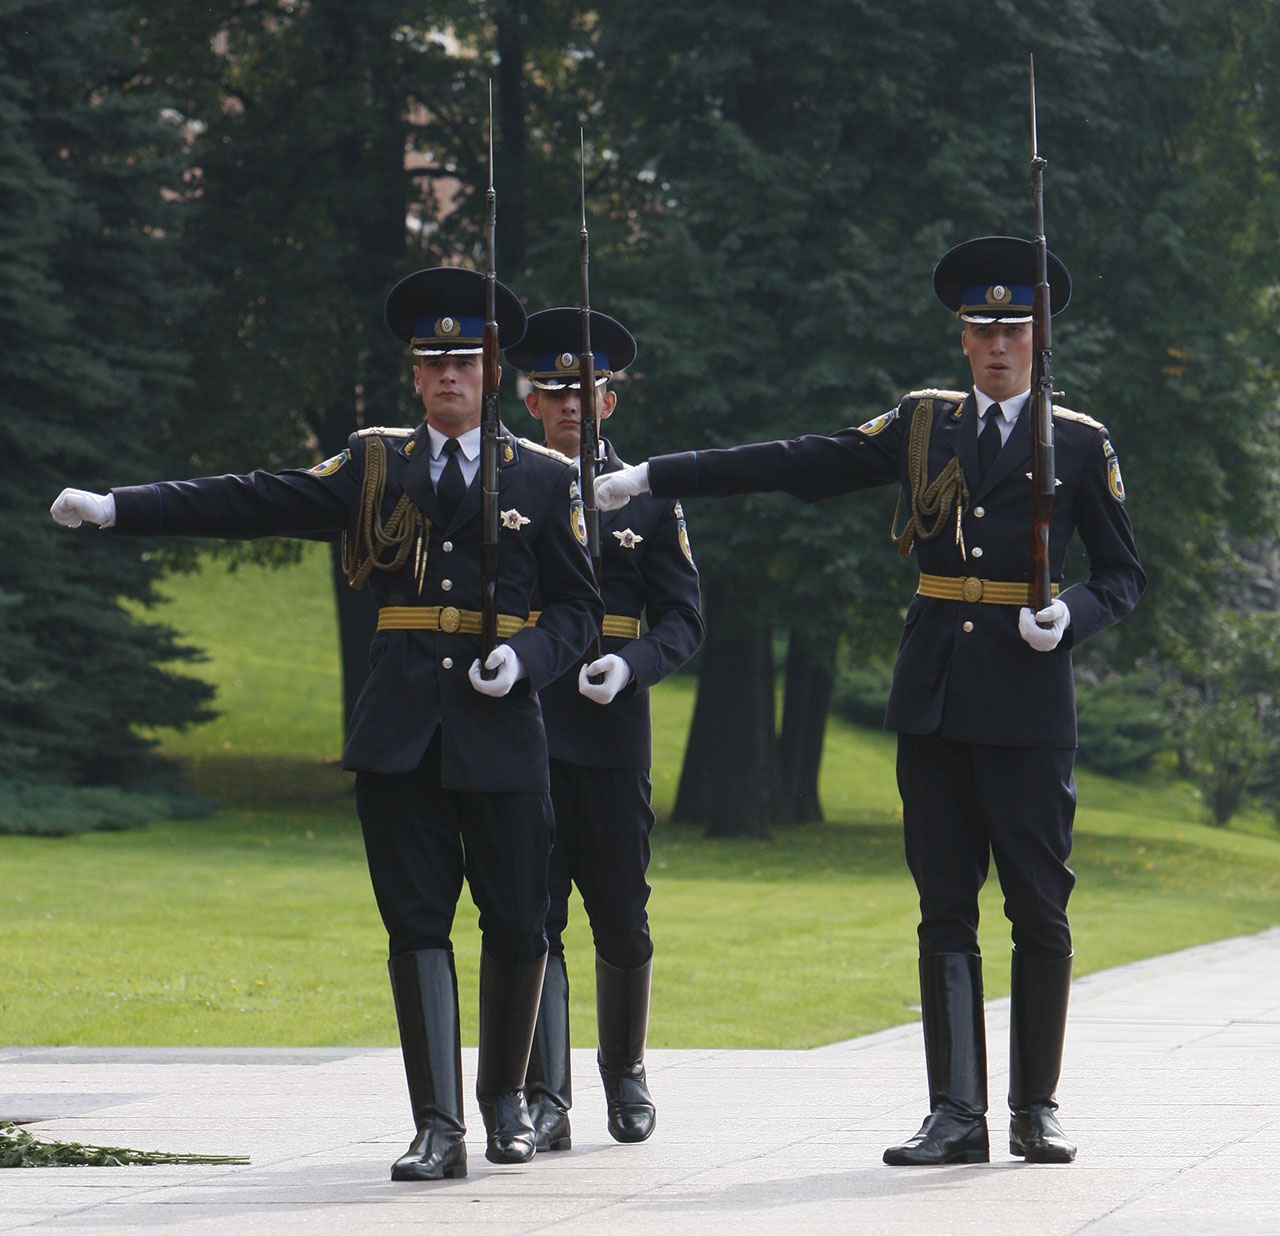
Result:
{"points": [[1043, 478], [490, 432], [589, 432]]}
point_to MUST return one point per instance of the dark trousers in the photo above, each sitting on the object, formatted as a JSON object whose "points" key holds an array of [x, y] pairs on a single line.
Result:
{"points": [[603, 822], [421, 840], [962, 805]]}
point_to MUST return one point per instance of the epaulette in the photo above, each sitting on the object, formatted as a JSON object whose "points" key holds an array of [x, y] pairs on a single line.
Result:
{"points": [[384, 432], [1068, 415], [542, 449], [931, 393]]}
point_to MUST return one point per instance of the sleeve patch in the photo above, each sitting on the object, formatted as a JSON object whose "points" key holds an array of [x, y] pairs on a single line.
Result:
{"points": [[873, 427], [577, 514], [682, 532], [331, 465], [1115, 482]]}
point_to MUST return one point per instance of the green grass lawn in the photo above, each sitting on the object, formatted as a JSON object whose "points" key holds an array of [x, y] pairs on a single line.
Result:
{"points": [[256, 925]]}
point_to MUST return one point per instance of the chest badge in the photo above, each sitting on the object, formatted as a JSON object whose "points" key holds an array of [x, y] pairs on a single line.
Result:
{"points": [[513, 520], [628, 539]]}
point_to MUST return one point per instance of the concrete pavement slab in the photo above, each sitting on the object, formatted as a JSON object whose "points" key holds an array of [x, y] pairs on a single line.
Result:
{"points": [[1170, 1086]]}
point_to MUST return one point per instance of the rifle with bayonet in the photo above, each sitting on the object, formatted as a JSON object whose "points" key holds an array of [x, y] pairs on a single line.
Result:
{"points": [[1041, 409], [490, 430], [589, 432]]}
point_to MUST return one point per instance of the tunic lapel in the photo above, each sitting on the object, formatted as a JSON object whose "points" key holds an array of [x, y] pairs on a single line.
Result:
{"points": [[416, 477], [963, 432], [1015, 456]]}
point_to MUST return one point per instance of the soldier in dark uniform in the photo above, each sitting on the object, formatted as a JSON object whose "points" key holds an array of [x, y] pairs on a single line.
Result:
{"points": [[451, 768], [598, 732], [982, 697]]}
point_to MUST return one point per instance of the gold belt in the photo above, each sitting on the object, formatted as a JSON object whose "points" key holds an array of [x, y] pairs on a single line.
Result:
{"points": [[971, 588], [615, 626], [441, 618]]}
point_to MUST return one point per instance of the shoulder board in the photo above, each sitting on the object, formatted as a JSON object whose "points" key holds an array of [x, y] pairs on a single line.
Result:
{"points": [[931, 393], [528, 444], [1068, 415], [384, 433]]}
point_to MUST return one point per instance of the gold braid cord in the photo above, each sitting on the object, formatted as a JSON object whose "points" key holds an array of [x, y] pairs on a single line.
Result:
{"points": [[379, 546], [928, 501]]}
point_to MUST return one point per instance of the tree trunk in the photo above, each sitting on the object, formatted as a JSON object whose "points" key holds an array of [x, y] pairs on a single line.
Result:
{"points": [[727, 781], [810, 679]]}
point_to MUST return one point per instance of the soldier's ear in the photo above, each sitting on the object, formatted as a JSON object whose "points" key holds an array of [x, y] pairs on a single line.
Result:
{"points": [[608, 401]]}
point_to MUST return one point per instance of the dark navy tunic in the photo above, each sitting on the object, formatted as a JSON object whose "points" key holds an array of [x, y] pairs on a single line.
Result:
{"points": [[986, 724], [601, 754], [958, 662], [418, 679]]}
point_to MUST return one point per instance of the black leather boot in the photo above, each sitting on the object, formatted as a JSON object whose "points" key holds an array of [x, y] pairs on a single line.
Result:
{"points": [[548, 1086], [955, 1052], [425, 987], [509, 995], [622, 1022], [1037, 1026]]}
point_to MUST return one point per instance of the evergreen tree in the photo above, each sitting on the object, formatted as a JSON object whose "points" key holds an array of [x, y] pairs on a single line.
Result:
{"points": [[88, 376], [797, 180], [340, 147]]}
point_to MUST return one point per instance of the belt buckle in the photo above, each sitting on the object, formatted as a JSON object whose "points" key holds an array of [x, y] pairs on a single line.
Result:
{"points": [[450, 619], [971, 588]]}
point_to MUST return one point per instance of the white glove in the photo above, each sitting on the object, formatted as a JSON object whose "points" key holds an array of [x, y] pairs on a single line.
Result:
{"points": [[614, 672], [616, 489], [510, 670], [1043, 630], [73, 507]]}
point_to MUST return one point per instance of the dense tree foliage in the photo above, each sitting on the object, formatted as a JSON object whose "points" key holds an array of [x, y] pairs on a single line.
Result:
{"points": [[767, 197], [801, 180], [95, 295]]}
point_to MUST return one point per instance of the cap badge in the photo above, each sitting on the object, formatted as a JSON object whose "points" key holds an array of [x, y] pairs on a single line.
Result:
{"points": [[448, 328], [998, 295], [566, 362]]}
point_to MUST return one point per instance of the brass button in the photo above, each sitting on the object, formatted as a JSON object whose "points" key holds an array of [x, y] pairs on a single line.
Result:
{"points": [[971, 589], [968, 626], [447, 547], [447, 585], [979, 512], [976, 551], [447, 663], [450, 620]]}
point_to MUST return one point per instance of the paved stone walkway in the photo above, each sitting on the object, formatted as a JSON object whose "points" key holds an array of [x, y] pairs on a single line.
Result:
{"points": [[1171, 1087]]}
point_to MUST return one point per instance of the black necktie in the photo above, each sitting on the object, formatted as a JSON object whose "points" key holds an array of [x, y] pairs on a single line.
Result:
{"points": [[451, 486], [989, 441]]}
